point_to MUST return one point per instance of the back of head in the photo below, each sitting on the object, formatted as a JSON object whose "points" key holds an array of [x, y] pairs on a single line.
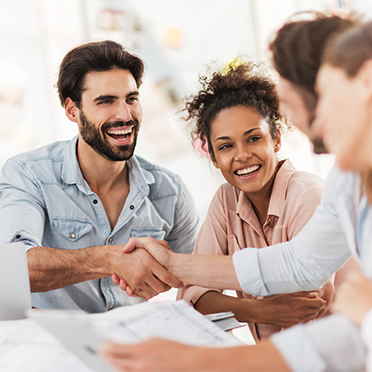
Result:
{"points": [[94, 57], [351, 49], [297, 50]]}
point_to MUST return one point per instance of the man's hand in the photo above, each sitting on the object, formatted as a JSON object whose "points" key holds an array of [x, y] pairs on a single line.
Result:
{"points": [[143, 274], [286, 310], [327, 293], [164, 355], [354, 297], [159, 249]]}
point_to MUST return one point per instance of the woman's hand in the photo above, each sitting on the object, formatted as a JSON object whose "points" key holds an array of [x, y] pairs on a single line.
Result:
{"points": [[286, 310], [354, 297]]}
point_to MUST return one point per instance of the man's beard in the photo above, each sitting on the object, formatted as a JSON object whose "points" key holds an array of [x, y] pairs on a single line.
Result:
{"points": [[96, 139]]}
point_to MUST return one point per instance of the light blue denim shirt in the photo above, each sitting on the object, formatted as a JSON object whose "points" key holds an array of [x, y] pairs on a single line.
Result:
{"points": [[340, 227], [45, 201]]}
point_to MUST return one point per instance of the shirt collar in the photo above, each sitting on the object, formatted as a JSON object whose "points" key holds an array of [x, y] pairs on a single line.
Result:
{"points": [[71, 173], [280, 186], [278, 193]]}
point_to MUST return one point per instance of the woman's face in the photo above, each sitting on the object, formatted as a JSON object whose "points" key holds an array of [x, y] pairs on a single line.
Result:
{"points": [[343, 117], [243, 148]]}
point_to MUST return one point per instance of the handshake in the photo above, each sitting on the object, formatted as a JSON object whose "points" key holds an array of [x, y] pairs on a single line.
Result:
{"points": [[151, 268], [146, 267]]}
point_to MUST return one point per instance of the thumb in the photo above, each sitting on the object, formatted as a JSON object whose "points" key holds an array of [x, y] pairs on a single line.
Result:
{"points": [[129, 247]]}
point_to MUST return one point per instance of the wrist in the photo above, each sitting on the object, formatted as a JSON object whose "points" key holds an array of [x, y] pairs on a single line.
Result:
{"points": [[104, 259]]}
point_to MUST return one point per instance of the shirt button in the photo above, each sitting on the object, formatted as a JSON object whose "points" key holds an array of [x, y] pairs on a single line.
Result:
{"points": [[72, 236], [110, 239], [95, 201], [131, 207], [231, 236]]}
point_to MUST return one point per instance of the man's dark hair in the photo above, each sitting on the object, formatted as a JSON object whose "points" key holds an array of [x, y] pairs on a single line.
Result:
{"points": [[297, 51], [96, 56]]}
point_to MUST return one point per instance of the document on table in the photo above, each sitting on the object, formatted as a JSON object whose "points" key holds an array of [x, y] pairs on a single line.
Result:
{"points": [[83, 333], [26, 346]]}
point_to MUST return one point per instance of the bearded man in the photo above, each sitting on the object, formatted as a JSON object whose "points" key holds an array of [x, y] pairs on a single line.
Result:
{"points": [[75, 204]]}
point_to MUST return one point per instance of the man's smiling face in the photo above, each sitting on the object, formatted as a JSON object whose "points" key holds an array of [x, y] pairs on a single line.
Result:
{"points": [[110, 114]]}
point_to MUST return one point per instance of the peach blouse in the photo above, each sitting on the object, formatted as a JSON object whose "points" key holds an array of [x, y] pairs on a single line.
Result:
{"points": [[231, 224]]}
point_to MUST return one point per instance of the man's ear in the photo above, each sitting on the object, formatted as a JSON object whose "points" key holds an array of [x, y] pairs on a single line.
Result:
{"points": [[278, 142], [71, 110], [365, 76]]}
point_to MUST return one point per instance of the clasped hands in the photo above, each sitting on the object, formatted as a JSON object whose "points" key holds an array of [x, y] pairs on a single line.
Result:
{"points": [[148, 275]]}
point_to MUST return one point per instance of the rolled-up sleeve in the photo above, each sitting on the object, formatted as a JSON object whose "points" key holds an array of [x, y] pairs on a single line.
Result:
{"points": [[22, 215], [329, 344], [304, 263]]}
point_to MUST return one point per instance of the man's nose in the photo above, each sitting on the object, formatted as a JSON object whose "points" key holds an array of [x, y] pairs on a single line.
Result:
{"points": [[123, 113]]}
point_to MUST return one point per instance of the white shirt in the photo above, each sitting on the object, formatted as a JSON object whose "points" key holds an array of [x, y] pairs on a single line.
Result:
{"points": [[339, 228], [367, 338]]}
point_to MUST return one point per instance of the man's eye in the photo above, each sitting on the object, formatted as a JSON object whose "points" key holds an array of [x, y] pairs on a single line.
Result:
{"points": [[133, 99], [105, 101]]}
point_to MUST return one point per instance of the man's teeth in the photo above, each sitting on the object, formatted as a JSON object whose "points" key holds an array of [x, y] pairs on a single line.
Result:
{"points": [[120, 132], [248, 170]]}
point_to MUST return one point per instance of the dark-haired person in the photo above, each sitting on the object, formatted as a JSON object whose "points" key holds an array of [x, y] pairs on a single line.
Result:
{"points": [[74, 204], [339, 229], [265, 201]]}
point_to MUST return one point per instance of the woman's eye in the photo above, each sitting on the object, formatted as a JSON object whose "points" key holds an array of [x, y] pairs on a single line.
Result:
{"points": [[253, 139], [224, 147]]}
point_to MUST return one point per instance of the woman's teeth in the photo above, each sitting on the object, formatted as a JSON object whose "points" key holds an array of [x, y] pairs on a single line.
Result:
{"points": [[245, 171]]}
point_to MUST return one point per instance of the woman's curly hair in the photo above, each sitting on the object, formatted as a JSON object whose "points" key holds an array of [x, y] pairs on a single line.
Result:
{"points": [[243, 83]]}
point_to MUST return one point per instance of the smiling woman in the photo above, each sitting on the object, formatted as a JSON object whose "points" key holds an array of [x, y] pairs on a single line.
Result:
{"points": [[265, 201]]}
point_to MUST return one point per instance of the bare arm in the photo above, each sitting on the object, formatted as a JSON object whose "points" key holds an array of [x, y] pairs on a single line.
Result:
{"points": [[52, 268], [163, 355], [283, 310]]}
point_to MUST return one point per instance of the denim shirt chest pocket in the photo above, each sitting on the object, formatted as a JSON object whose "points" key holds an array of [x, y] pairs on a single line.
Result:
{"points": [[72, 233], [154, 232]]}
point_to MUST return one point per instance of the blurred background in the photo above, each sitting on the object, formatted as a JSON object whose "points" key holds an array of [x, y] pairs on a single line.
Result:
{"points": [[176, 39]]}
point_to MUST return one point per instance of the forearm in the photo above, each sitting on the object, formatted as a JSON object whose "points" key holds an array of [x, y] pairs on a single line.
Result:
{"points": [[204, 270], [245, 310], [279, 310], [258, 358], [52, 268], [164, 355]]}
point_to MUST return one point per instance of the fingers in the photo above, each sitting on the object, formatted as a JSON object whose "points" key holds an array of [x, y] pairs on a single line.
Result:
{"points": [[120, 356], [129, 247], [167, 278], [149, 278], [304, 294], [144, 242], [115, 279]]}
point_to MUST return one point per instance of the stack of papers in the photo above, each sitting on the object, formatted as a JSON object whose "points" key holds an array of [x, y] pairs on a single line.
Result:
{"points": [[80, 335]]}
